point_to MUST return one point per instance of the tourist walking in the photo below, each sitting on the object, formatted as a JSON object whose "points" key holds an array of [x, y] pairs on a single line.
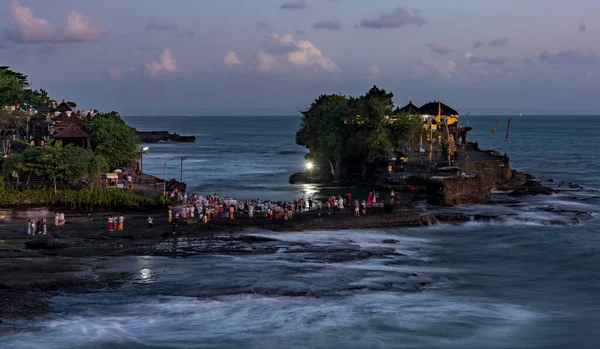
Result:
{"points": [[150, 222], [56, 219], [44, 227], [110, 224], [170, 215]]}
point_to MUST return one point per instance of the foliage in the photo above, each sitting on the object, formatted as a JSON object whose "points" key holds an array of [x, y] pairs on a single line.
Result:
{"points": [[113, 139], [14, 90], [55, 162], [85, 198], [335, 127]]}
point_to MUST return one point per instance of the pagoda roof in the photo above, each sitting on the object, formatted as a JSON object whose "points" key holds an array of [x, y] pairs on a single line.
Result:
{"points": [[410, 109], [60, 117], [432, 108], [63, 107], [72, 120], [45, 108], [72, 131]]}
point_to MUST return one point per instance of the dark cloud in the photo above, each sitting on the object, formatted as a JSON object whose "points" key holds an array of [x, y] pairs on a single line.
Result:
{"points": [[300, 32], [582, 27], [3, 46], [478, 44], [501, 42], [571, 57], [438, 48], [162, 26], [330, 24], [394, 19], [489, 60], [528, 61], [294, 5]]}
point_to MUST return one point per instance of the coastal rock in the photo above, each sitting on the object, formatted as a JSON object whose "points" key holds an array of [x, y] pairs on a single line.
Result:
{"points": [[163, 136], [452, 218], [458, 190], [532, 187]]}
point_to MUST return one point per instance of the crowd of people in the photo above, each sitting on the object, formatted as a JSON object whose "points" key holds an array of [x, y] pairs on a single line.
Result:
{"points": [[206, 208]]}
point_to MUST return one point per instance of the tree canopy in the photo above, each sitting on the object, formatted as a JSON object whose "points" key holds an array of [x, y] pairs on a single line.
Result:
{"points": [[336, 127], [14, 90], [113, 139]]}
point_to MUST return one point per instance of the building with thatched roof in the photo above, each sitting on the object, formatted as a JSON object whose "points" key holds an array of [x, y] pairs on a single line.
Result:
{"points": [[45, 109], [409, 109], [439, 113], [63, 123], [63, 107], [73, 135]]}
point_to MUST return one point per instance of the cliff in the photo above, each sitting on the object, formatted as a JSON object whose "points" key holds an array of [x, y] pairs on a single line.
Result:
{"points": [[163, 136]]}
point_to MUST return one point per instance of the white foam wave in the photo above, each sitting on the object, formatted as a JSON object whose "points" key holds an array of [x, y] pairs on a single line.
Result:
{"points": [[258, 322]]}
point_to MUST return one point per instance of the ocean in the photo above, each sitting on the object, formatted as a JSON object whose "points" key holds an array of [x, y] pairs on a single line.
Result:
{"points": [[526, 280]]}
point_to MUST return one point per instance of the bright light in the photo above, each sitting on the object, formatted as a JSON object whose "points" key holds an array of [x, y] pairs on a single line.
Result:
{"points": [[309, 165], [145, 149]]}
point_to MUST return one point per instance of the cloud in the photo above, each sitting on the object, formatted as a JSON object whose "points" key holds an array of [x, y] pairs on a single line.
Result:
{"points": [[300, 32], [115, 72], [283, 52], [438, 48], [489, 60], [373, 70], [27, 28], [582, 27], [165, 64], [395, 19], [468, 55], [478, 44], [501, 42], [445, 70], [162, 26], [231, 59], [587, 56], [295, 5], [330, 24]]}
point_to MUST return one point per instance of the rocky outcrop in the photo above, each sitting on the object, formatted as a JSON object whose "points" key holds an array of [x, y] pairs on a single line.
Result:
{"points": [[163, 136], [532, 187], [458, 190]]}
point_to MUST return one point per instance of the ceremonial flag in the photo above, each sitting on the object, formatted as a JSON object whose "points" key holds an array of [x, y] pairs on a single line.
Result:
{"points": [[467, 121], [494, 129], [508, 128]]}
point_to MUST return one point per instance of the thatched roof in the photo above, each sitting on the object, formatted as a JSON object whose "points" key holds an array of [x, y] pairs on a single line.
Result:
{"points": [[63, 107], [60, 117], [410, 109], [45, 108], [432, 108], [72, 131], [72, 120]]}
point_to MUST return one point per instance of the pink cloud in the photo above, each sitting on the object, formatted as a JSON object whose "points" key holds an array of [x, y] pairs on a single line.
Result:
{"points": [[27, 28]]}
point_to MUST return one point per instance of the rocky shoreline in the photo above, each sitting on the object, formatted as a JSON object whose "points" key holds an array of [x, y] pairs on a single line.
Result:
{"points": [[163, 136]]}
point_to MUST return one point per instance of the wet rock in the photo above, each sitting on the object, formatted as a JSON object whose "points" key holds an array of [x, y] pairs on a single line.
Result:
{"points": [[504, 202], [452, 218], [45, 245], [458, 190], [532, 187], [390, 241], [485, 218]]}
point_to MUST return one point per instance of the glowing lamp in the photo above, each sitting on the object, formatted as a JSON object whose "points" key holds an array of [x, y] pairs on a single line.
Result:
{"points": [[309, 165]]}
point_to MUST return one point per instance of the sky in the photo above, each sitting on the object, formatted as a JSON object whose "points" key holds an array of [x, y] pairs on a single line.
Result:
{"points": [[220, 57]]}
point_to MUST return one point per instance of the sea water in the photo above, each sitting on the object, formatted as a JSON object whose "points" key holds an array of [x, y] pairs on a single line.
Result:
{"points": [[522, 281]]}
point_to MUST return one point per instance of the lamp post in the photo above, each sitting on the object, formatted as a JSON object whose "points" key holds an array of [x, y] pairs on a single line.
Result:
{"points": [[142, 151], [181, 175]]}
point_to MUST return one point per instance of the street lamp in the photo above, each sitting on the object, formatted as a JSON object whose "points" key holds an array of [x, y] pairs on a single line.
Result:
{"points": [[181, 176], [309, 166], [142, 151]]}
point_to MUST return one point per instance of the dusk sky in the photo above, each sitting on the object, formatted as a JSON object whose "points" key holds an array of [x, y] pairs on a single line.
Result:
{"points": [[275, 57]]}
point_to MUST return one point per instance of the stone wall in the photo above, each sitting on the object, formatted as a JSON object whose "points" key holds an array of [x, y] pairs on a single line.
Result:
{"points": [[497, 170]]}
